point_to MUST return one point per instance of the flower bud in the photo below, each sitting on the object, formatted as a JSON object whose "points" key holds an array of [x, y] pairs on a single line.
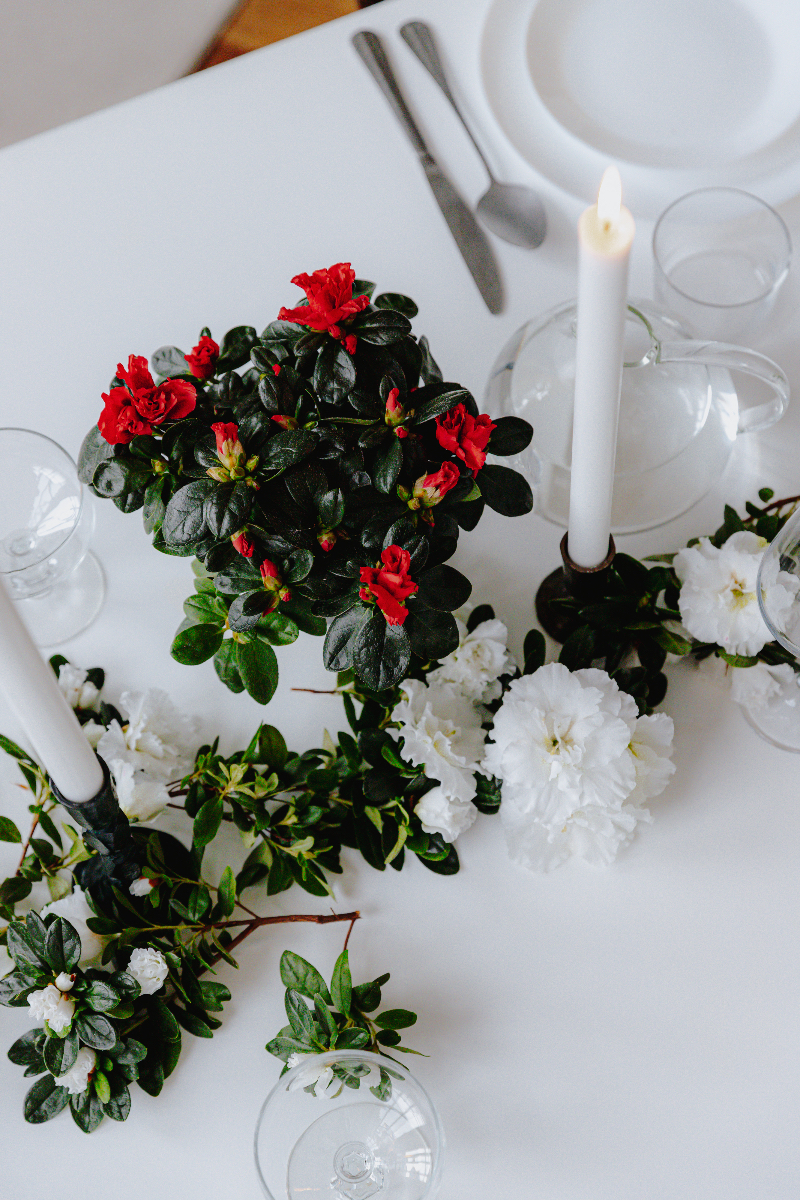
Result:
{"points": [[230, 450], [327, 539], [350, 343], [395, 413], [64, 982], [285, 421], [242, 544], [430, 490]]}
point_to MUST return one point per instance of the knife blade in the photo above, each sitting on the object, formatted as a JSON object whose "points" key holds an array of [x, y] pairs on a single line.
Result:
{"points": [[468, 235]]}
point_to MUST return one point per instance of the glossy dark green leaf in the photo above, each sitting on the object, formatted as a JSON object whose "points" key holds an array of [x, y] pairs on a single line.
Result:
{"points": [[226, 666], [352, 1039], [277, 629], [9, 831], [396, 1018], [169, 361], [13, 889], [226, 892], [504, 490], [95, 1030], [207, 822], [227, 508], [26, 1051], [196, 644], [288, 447], [432, 634], [94, 451], [397, 302], [118, 1106], [235, 347], [258, 668], [24, 947], [443, 588], [342, 984], [247, 609], [87, 1111], [510, 436], [380, 653], [63, 946], [184, 520], [380, 327], [44, 1101], [334, 372], [578, 650], [337, 650], [60, 1053], [441, 398], [300, 1018], [387, 467], [534, 651], [192, 1023]]}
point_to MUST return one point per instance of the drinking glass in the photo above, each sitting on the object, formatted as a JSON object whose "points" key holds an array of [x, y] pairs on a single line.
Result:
{"points": [[46, 525], [720, 257], [348, 1125], [773, 707]]}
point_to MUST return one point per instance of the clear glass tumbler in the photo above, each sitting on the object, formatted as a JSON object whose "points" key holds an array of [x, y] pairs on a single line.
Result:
{"points": [[348, 1125], [720, 257], [46, 526]]}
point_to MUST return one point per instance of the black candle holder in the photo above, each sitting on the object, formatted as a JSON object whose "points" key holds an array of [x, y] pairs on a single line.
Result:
{"points": [[107, 830], [570, 582]]}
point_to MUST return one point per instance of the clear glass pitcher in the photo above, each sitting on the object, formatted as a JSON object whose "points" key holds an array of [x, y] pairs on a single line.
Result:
{"points": [[679, 411]]}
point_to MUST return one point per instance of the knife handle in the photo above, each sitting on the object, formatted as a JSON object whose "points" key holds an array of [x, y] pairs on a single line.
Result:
{"points": [[370, 48]]}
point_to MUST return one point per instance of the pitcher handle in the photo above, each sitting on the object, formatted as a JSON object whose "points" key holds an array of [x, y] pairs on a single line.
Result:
{"points": [[737, 358]]}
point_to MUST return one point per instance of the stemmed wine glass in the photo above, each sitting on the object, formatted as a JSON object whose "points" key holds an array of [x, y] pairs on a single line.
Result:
{"points": [[46, 525], [775, 713], [348, 1125]]}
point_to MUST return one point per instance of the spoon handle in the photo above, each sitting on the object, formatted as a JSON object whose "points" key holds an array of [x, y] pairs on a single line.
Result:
{"points": [[419, 37]]}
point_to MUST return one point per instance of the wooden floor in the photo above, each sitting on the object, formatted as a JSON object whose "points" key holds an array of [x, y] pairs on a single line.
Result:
{"points": [[256, 23]]}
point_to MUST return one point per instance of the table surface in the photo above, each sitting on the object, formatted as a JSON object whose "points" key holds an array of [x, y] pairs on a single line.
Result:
{"points": [[625, 1032]]}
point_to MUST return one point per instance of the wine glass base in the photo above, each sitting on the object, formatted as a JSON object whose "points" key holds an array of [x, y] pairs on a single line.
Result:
{"points": [[778, 724], [68, 608], [361, 1151]]}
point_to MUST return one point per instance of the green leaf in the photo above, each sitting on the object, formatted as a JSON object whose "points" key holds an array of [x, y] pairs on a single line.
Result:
{"points": [[192, 1023], [95, 1030], [534, 650], [504, 490], [184, 521], [27, 1050], [277, 629], [397, 302], [387, 467], [44, 1100], [15, 751], [381, 653], [63, 946], [443, 588], [87, 1111], [235, 347], [226, 892], [380, 327], [258, 668], [342, 984], [396, 1018], [300, 1017], [196, 644], [207, 822], [226, 668], [47, 825], [736, 660], [151, 1076], [94, 450], [101, 996], [342, 632], [270, 748], [24, 946], [9, 831], [578, 650], [283, 1047], [302, 977], [227, 508], [438, 399], [352, 1039], [214, 994], [12, 890], [432, 634], [334, 372], [169, 361], [288, 447], [325, 1016], [118, 1106], [60, 1053], [510, 436]]}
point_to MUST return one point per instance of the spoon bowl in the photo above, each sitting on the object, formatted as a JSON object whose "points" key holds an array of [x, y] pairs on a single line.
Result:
{"points": [[513, 212]]}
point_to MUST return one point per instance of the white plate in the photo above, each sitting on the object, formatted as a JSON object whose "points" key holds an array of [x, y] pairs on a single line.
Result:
{"points": [[680, 93]]}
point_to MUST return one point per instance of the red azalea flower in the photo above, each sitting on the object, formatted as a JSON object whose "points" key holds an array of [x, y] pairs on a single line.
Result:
{"points": [[271, 579], [174, 399], [276, 368], [243, 544], [431, 489], [227, 435], [350, 343], [330, 300], [389, 584], [203, 358], [119, 421], [465, 436]]}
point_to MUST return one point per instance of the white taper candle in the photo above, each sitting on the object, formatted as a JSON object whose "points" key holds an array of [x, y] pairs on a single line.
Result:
{"points": [[605, 237], [32, 693]]}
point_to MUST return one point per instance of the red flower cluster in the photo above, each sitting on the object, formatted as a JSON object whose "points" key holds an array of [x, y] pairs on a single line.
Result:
{"points": [[389, 585], [203, 358], [465, 436], [137, 406], [273, 583], [330, 300], [395, 414]]}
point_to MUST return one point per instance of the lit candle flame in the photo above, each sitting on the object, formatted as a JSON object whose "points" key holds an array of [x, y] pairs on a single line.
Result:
{"points": [[609, 198]]}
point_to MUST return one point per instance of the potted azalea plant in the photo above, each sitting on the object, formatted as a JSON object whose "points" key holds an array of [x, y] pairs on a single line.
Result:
{"points": [[320, 474]]}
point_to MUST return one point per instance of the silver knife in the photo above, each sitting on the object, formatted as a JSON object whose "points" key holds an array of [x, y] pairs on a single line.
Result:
{"points": [[470, 238]]}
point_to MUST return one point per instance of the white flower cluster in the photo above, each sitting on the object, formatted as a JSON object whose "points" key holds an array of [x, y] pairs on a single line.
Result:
{"points": [[80, 693], [76, 1079], [718, 597], [441, 725], [52, 1005], [154, 748], [577, 764]]}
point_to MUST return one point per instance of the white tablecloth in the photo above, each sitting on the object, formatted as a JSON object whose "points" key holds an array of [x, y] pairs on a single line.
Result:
{"points": [[593, 1034]]}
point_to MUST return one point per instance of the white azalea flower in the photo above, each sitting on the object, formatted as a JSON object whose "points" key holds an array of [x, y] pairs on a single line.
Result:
{"points": [[321, 1077], [75, 686], [75, 909], [50, 1005], [158, 740], [141, 886], [475, 666], [140, 798], [93, 732], [718, 598], [76, 1079], [576, 763], [761, 685], [441, 731], [149, 969], [440, 813], [65, 982]]}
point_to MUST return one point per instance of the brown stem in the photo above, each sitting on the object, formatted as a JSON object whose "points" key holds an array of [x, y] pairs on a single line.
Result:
{"points": [[319, 691], [323, 919], [782, 503], [350, 930], [28, 842]]}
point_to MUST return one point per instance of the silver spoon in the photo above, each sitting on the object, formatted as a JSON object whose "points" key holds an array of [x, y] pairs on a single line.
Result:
{"points": [[513, 212]]}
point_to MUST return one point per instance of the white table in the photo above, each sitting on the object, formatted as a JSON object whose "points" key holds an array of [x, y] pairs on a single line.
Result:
{"points": [[593, 1034]]}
